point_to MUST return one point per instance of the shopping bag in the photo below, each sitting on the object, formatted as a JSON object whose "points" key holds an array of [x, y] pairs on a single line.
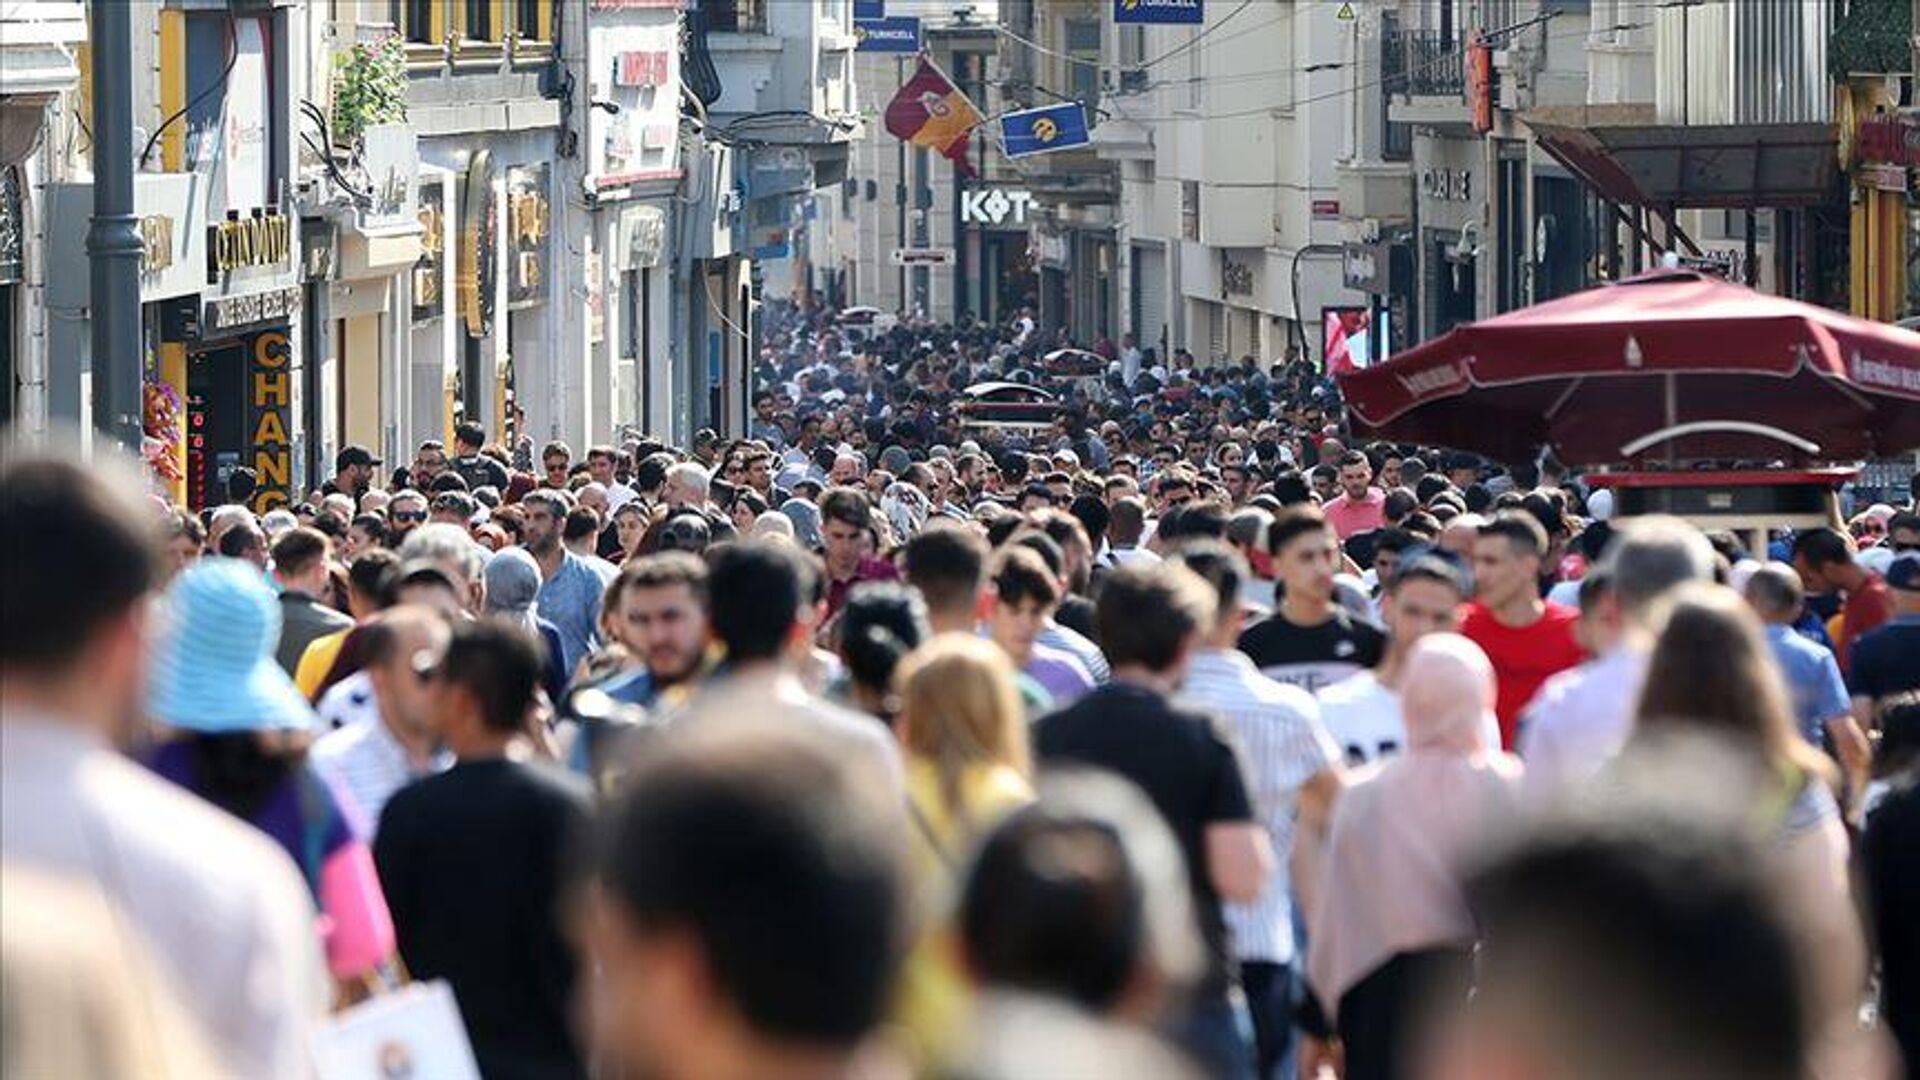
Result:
{"points": [[413, 1033]]}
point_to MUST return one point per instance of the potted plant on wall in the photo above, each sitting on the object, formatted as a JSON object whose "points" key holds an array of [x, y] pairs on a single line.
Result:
{"points": [[369, 88]]}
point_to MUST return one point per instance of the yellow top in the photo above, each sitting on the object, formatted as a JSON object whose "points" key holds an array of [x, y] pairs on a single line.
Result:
{"points": [[317, 660], [934, 995]]}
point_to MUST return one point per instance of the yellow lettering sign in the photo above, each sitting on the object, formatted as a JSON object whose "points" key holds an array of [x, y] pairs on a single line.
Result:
{"points": [[261, 240], [271, 389], [271, 430], [156, 243]]}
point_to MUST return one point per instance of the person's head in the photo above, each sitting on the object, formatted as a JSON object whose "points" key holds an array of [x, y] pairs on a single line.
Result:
{"points": [[1083, 897], [687, 485], [582, 529], [1225, 571], [1903, 532], [947, 563], [1325, 482], [406, 512], [1506, 558], [1423, 596], [1128, 522], [365, 533], [483, 684], [846, 529], [659, 614], [1306, 553], [748, 903], [454, 554], [1774, 591], [1824, 559], [1650, 557], [602, 463], [429, 461], [545, 518], [425, 585], [77, 556], [452, 507], [1151, 617], [1903, 581], [244, 540], [1076, 550], [1712, 671], [556, 461], [182, 541], [300, 561], [1025, 594], [1447, 695], [881, 623], [353, 469], [370, 583], [1664, 930], [468, 438], [959, 708], [1356, 474], [397, 646], [761, 599]]}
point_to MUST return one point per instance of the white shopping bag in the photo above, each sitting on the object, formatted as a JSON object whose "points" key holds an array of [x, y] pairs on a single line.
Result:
{"points": [[413, 1033]]}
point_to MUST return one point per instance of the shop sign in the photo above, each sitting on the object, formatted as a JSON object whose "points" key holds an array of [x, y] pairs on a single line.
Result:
{"points": [[173, 260], [1159, 12], [319, 249], [1364, 268], [263, 238], [923, 256], [231, 313], [1888, 140], [429, 268], [641, 237], [270, 397], [12, 227], [390, 154], [529, 220], [1454, 185], [636, 68], [780, 170], [477, 268], [1480, 83], [1326, 209], [1236, 278], [995, 206], [156, 243]]}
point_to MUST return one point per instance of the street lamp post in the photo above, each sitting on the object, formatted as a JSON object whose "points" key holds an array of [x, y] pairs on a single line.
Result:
{"points": [[113, 238]]}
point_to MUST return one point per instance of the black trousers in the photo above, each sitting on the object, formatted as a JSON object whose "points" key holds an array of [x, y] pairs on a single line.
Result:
{"points": [[1270, 1001], [1384, 1016]]}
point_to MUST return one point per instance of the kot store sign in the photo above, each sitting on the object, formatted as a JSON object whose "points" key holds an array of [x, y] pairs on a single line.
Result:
{"points": [[995, 207]]}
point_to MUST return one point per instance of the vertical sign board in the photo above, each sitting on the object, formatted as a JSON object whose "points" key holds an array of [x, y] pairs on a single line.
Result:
{"points": [[1159, 12], [270, 396], [477, 269], [529, 220]]}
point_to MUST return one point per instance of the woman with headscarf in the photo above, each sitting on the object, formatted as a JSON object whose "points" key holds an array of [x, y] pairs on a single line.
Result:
{"points": [[1391, 933]]}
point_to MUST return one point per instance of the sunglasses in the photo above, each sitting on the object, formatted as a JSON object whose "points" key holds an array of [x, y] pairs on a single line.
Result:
{"points": [[414, 516], [556, 466]]}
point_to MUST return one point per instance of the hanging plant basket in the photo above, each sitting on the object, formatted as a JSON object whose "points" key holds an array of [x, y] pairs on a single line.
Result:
{"points": [[369, 87]]}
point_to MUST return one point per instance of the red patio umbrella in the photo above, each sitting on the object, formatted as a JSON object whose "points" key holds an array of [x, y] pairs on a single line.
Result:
{"points": [[1667, 366]]}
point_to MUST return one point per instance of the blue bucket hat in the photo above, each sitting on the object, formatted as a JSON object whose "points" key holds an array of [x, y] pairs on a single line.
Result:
{"points": [[213, 667]]}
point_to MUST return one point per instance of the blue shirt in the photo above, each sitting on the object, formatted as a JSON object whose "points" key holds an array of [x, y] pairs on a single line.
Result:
{"points": [[570, 600], [1813, 681]]}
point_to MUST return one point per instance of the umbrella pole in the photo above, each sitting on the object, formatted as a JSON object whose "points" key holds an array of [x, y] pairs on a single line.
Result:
{"points": [[1672, 390]]}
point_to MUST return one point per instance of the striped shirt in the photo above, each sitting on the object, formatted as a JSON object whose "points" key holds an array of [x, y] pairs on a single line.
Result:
{"points": [[369, 764], [1068, 640], [1282, 744]]}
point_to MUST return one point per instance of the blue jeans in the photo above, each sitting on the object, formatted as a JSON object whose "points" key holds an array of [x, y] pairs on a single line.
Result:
{"points": [[1270, 997], [1211, 1033]]}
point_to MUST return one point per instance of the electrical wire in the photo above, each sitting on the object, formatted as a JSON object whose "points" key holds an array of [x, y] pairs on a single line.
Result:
{"points": [[1204, 33], [233, 57]]}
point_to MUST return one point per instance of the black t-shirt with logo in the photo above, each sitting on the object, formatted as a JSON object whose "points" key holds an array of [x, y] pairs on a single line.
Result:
{"points": [[1313, 657]]}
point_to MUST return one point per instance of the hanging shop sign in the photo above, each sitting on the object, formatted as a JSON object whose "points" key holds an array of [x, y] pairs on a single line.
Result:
{"points": [[1366, 267], [13, 262], [156, 244], [529, 220], [319, 249], [270, 397], [231, 314], [641, 238], [430, 269], [477, 269], [893, 34], [390, 154], [1160, 12], [1044, 130], [633, 69], [260, 240], [1455, 185]]}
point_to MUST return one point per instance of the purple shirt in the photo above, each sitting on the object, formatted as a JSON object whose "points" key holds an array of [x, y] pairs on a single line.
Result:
{"points": [[1060, 673], [279, 815]]}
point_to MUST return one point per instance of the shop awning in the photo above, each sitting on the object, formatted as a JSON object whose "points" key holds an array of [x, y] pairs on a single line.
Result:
{"points": [[1628, 158]]}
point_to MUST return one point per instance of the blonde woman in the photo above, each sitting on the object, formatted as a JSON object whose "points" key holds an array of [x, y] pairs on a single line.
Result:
{"points": [[964, 739]]}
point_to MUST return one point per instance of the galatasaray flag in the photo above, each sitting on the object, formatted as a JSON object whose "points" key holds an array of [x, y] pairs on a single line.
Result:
{"points": [[930, 111]]}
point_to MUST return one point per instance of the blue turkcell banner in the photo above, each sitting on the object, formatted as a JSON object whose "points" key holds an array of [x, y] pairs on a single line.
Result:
{"points": [[1044, 130], [869, 10], [894, 34], [1161, 12]]}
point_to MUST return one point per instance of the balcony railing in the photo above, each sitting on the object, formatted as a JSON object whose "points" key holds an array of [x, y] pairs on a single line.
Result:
{"points": [[1430, 64]]}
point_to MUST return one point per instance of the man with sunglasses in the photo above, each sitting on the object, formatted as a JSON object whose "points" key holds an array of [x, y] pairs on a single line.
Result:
{"points": [[556, 460], [407, 512], [394, 746]]}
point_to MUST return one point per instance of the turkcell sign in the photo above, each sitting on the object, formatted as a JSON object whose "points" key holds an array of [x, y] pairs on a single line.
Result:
{"points": [[1160, 12], [895, 34], [869, 10]]}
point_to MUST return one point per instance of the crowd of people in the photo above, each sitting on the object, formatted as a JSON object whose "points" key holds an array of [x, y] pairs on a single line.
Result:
{"points": [[1186, 736]]}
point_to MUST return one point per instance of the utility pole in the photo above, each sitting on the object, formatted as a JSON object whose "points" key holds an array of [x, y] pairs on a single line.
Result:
{"points": [[900, 189], [113, 238]]}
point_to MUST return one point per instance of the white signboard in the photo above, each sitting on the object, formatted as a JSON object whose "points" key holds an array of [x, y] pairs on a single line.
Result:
{"points": [[243, 137], [936, 256], [995, 206], [633, 124]]}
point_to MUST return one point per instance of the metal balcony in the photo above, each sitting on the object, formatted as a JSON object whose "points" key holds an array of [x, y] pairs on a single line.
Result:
{"points": [[1430, 64]]}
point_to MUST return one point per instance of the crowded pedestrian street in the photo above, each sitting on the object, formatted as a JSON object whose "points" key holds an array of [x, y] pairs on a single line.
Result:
{"points": [[1009, 540]]}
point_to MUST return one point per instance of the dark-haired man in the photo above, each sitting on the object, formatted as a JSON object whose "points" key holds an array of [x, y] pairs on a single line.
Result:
{"points": [[470, 465], [1527, 639], [1360, 507], [470, 859], [1309, 641], [352, 472], [1151, 620], [846, 532], [302, 567], [657, 611], [748, 910], [1824, 559]]}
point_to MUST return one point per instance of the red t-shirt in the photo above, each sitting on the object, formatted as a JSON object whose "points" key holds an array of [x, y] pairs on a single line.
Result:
{"points": [[1867, 607], [1523, 657]]}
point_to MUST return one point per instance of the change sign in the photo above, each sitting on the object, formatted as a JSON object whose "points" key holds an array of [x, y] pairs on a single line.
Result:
{"points": [[1161, 12]]}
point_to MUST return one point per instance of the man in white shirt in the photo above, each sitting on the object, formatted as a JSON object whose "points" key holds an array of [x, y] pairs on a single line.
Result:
{"points": [[1292, 769], [1424, 596], [218, 904], [1581, 718], [373, 759]]}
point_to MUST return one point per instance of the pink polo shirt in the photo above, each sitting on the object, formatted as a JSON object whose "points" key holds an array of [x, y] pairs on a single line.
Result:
{"points": [[1348, 516]]}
